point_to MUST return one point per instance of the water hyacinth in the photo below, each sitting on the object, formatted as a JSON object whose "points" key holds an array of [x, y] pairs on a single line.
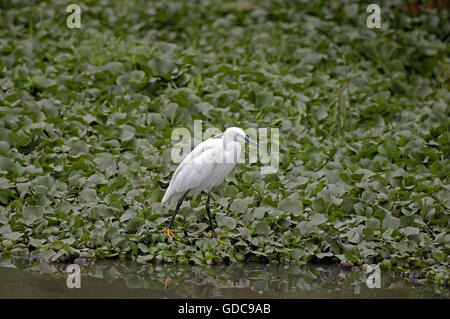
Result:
{"points": [[86, 117]]}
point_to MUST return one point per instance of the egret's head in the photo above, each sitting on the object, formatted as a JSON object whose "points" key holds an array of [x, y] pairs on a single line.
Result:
{"points": [[238, 135], [234, 134]]}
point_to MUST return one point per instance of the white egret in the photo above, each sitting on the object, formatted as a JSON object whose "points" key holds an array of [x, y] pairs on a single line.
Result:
{"points": [[204, 169]]}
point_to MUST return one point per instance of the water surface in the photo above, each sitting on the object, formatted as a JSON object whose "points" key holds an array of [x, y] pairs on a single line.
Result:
{"points": [[25, 278]]}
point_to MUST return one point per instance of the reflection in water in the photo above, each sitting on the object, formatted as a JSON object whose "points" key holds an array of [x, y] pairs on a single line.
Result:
{"points": [[23, 278]]}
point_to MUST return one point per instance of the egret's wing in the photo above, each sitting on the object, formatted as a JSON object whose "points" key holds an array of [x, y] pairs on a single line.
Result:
{"points": [[194, 171], [196, 154], [220, 172]]}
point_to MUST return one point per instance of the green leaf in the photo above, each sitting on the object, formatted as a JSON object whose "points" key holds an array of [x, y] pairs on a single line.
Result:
{"points": [[291, 205], [127, 133], [407, 231], [162, 67], [390, 222], [317, 219], [13, 235], [373, 223], [227, 221], [10, 167], [134, 224], [263, 99], [262, 228], [259, 212], [89, 195]]}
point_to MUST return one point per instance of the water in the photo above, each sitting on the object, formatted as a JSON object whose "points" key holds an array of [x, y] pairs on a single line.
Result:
{"points": [[24, 278]]}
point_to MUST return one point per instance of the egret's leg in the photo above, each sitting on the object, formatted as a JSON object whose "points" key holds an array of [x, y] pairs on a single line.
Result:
{"points": [[209, 215], [211, 224], [168, 230], [177, 208]]}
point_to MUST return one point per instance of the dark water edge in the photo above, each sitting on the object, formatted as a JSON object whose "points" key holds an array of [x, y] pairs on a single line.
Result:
{"points": [[27, 278]]}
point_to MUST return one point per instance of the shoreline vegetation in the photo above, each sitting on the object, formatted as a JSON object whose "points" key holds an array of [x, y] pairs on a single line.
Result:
{"points": [[86, 117]]}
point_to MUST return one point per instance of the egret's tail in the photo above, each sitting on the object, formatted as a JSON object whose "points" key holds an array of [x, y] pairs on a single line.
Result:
{"points": [[171, 197], [166, 199]]}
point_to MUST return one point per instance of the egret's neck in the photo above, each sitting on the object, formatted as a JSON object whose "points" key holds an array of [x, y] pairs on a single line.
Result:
{"points": [[232, 151], [227, 140]]}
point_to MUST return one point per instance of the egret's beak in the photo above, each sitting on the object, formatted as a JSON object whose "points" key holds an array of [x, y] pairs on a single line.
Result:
{"points": [[249, 140]]}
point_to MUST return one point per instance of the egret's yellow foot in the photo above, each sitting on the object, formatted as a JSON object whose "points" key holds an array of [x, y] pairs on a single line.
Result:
{"points": [[217, 237], [170, 232]]}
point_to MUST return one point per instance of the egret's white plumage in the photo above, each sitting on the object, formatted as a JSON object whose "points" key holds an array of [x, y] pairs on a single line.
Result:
{"points": [[204, 169], [206, 166]]}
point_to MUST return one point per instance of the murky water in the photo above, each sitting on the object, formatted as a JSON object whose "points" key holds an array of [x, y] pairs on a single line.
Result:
{"points": [[23, 278]]}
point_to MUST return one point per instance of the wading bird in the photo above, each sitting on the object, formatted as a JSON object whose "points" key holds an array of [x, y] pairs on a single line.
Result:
{"points": [[204, 169]]}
